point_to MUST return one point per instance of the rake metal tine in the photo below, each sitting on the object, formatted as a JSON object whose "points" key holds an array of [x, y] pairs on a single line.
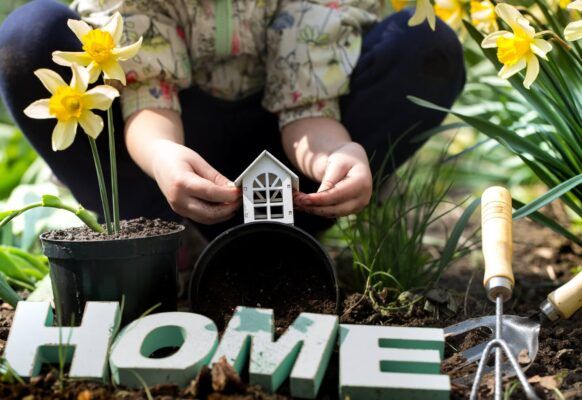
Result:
{"points": [[530, 393]]}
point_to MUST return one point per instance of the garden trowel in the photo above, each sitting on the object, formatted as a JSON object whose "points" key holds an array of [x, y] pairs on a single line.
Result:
{"points": [[521, 333]]}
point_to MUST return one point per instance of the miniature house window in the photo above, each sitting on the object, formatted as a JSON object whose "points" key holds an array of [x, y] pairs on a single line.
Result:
{"points": [[268, 197], [267, 186]]}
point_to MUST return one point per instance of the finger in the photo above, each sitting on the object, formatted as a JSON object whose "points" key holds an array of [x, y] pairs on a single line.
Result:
{"points": [[199, 187], [334, 173], [339, 210], [208, 213], [343, 191], [206, 171]]}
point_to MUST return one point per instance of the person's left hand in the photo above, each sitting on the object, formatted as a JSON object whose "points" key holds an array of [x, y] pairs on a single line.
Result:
{"points": [[346, 186]]}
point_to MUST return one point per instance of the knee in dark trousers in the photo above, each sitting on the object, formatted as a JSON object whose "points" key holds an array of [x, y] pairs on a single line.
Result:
{"points": [[27, 38], [399, 61]]}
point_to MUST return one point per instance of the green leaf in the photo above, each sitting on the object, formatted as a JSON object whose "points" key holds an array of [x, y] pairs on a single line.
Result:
{"points": [[453, 240], [7, 293], [548, 197], [11, 269], [441, 128], [549, 223]]}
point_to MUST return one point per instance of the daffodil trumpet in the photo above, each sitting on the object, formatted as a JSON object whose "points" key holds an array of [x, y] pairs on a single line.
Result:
{"points": [[71, 105]]}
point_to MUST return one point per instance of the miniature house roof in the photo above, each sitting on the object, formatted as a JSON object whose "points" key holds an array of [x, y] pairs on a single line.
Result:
{"points": [[266, 155]]}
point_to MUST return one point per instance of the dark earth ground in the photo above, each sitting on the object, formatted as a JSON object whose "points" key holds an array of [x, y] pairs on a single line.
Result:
{"points": [[542, 261]]}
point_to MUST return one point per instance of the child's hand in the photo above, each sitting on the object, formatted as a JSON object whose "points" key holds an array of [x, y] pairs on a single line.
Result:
{"points": [[193, 188], [346, 186]]}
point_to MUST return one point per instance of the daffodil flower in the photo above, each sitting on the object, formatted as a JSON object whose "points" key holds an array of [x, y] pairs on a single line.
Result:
{"points": [[483, 16], [424, 11], [573, 30], [450, 11], [71, 105], [100, 49], [518, 49], [399, 5]]}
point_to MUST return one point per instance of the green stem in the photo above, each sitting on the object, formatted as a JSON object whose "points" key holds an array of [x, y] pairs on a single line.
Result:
{"points": [[80, 212], [102, 188], [113, 164]]}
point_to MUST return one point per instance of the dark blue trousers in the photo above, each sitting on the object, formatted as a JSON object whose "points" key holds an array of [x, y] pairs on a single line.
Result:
{"points": [[396, 61]]}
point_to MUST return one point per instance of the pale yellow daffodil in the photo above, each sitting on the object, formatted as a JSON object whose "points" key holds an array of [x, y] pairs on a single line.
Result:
{"points": [[424, 11], [71, 105], [519, 49], [483, 16], [573, 30], [450, 11], [100, 49]]}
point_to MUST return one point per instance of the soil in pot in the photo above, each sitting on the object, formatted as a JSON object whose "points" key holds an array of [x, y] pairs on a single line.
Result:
{"points": [[267, 266], [136, 267], [130, 229]]}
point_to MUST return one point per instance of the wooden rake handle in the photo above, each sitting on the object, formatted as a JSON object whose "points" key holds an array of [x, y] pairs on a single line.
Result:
{"points": [[497, 241]]}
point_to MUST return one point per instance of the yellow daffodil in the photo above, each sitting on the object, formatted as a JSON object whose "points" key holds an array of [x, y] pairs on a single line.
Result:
{"points": [[573, 30], [518, 49], [450, 11], [483, 16], [424, 11], [71, 105], [100, 49]]}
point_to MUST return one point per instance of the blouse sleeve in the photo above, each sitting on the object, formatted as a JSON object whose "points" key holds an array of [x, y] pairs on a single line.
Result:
{"points": [[313, 47], [162, 67]]}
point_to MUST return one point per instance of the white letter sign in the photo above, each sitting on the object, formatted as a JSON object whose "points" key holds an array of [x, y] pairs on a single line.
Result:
{"points": [[33, 340], [195, 335], [385, 362], [302, 352]]}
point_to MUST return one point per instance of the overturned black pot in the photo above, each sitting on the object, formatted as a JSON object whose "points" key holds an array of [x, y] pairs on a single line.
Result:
{"points": [[140, 273], [267, 265]]}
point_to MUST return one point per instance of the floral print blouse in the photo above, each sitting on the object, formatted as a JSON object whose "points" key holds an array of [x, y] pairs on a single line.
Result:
{"points": [[299, 52]]}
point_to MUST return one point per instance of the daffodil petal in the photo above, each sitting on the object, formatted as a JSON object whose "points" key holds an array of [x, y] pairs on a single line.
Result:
{"points": [[112, 70], [38, 110], [525, 27], [541, 47], [80, 80], [64, 135], [420, 13], [94, 71], [79, 28], [91, 123], [114, 26], [508, 71], [100, 97], [573, 31], [575, 5], [508, 13], [68, 58], [50, 79], [490, 41], [533, 69], [127, 52]]}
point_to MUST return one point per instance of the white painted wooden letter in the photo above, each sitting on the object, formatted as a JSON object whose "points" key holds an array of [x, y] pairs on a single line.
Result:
{"points": [[383, 362], [302, 352], [34, 341], [194, 334]]}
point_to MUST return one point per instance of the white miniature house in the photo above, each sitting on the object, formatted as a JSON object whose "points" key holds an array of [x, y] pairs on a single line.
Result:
{"points": [[267, 187]]}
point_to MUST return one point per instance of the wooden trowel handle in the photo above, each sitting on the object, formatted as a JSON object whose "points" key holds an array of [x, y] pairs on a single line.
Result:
{"points": [[497, 242], [567, 299]]}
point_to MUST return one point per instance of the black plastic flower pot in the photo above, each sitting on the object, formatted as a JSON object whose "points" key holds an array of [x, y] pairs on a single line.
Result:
{"points": [[140, 273], [267, 265]]}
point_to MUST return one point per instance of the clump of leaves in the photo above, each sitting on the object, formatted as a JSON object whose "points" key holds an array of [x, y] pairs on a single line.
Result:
{"points": [[400, 242]]}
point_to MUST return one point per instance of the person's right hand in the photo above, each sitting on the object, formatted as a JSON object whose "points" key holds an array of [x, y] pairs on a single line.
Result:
{"points": [[193, 188]]}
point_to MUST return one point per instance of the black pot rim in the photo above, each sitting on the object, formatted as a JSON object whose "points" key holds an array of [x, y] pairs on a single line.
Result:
{"points": [[110, 248], [241, 229]]}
